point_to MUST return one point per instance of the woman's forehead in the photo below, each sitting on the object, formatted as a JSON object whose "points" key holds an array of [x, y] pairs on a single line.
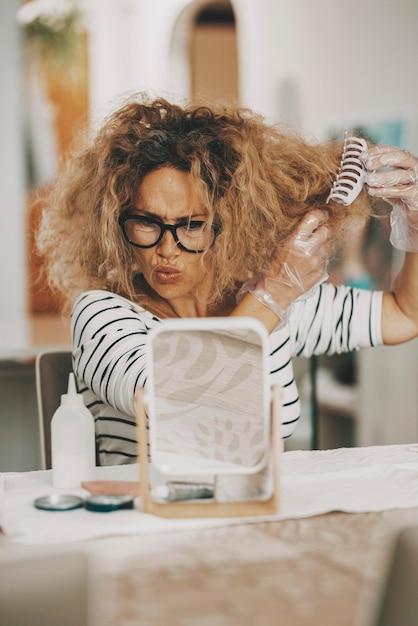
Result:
{"points": [[170, 193]]}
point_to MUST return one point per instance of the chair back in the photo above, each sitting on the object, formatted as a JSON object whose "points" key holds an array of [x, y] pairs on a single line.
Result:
{"points": [[52, 370]]}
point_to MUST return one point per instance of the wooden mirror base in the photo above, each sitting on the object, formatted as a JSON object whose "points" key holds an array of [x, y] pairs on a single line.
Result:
{"points": [[208, 508]]}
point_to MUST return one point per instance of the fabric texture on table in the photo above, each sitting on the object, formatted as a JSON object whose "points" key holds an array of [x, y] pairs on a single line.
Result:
{"points": [[351, 480]]}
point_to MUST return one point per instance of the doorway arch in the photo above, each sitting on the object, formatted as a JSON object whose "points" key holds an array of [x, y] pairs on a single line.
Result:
{"points": [[204, 51]]}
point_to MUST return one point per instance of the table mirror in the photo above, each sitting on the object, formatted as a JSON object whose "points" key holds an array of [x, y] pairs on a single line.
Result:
{"points": [[208, 408]]}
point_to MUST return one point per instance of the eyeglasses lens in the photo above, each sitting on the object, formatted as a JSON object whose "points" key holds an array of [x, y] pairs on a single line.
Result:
{"points": [[196, 235]]}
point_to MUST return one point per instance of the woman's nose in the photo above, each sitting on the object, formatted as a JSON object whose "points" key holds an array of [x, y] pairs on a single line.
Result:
{"points": [[168, 245]]}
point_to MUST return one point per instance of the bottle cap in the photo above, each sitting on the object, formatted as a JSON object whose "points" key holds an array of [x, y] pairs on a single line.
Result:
{"points": [[58, 502], [108, 502], [72, 398]]}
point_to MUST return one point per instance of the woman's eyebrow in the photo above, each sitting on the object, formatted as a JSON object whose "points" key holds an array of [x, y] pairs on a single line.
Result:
{"points": [[157, 217]]}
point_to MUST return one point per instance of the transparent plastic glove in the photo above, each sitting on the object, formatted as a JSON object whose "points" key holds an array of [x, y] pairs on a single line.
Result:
{"points": [[398, 186], [295, 270]]}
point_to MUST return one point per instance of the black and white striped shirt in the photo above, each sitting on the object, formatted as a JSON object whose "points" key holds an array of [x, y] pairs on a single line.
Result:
{"points": [[109, 335]]}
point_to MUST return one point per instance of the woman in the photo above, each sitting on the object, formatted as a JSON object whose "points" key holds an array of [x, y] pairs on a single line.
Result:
{"points": [[191, 211]]}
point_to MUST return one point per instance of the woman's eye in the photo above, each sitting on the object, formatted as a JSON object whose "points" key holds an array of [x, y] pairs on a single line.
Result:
{"points": [[145, 224], [196, 225]]}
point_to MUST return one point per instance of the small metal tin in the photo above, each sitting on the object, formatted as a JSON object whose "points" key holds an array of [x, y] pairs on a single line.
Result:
{"points": [[108, 502], [58, 502]]}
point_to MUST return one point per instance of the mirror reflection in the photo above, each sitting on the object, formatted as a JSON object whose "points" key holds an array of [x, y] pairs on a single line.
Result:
{"points": [[209, 409]]}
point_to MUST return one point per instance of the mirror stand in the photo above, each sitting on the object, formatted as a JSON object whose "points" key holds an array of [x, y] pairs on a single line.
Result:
{"points": [[212, 507]]}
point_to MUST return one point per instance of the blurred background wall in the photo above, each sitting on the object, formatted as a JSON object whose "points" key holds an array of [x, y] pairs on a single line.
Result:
{"points": [[13, 298], [320, 62]]}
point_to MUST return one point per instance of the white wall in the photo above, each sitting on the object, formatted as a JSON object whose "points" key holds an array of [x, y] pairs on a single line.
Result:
{"points": [[344, 61], [321, 63], [131, 49], [12, 205]]}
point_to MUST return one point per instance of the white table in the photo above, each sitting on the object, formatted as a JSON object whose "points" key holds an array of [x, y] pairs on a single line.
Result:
{"points": [[311, 565]]}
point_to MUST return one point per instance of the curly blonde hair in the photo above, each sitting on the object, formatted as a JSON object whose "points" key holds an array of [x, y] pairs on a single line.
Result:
{"points": [[258, 180]]}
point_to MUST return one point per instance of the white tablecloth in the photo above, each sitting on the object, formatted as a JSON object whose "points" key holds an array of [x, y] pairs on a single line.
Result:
{"points": [[352, 480]]}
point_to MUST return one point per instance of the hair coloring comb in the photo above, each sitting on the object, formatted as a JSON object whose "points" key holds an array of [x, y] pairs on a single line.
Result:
{"points": [[350, 178]]}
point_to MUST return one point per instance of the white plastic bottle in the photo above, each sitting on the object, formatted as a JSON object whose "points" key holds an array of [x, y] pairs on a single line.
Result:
{"points": [[72, 440]]}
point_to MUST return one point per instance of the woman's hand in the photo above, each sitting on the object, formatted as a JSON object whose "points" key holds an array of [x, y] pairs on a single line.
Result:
{"points": [[296, 269], [393, 176]]}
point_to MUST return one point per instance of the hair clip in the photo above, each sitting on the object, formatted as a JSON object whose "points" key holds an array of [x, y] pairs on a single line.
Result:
{"points": [[350, 178]]}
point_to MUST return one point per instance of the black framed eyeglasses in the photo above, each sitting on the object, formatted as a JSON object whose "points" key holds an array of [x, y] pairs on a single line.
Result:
{"points": [[146, 232]]}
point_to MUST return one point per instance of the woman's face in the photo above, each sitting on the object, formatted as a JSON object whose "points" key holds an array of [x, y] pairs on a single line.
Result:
{"points": [[180, 277]]}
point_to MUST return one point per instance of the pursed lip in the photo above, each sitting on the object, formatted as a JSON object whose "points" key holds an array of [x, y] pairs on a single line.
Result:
{"points": [[166, 274]]}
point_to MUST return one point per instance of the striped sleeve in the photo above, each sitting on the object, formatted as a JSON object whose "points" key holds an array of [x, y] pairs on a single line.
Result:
{"points": [[332, 320], [109, 336], [335, 320], [281, 373]]}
